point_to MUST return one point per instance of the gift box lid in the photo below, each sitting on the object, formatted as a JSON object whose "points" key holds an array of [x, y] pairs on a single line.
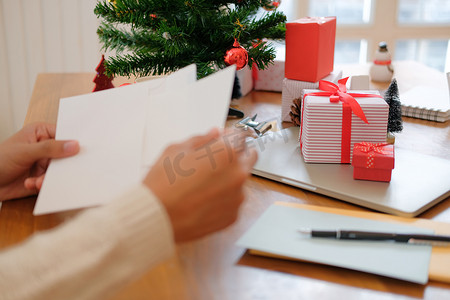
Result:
{"points": [[383, 156], [313, 20], [321, 110]]}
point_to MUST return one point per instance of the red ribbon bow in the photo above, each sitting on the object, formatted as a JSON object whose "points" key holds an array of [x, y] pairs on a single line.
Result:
{"points": [[339, 93], [367, 147], [370, 149]]}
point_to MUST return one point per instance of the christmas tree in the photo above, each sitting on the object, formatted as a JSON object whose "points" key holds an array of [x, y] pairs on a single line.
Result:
{"points": [[153, 37], [395, 123], [102, 81]]}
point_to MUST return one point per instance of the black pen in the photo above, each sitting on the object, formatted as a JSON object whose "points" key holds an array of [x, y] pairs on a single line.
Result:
{"points": [[412, 238]]}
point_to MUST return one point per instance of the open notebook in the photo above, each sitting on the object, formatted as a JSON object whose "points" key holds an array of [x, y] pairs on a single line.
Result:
{"points": [[426, 103]]}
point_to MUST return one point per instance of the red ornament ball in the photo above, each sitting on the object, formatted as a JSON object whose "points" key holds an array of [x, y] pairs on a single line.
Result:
{"points": [[273, 5], [237, 55]]}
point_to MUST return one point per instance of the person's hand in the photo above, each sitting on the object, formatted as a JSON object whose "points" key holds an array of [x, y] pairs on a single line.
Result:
{"points": [[200, 182], [25, 156]]}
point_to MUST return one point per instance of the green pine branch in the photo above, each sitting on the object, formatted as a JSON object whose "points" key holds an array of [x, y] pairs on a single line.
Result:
{"points": [[165, 35], [262, 56], [271, 25], [120, 40]]}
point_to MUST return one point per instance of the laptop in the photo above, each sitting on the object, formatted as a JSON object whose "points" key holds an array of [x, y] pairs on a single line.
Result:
{"points": [[418, 181]]}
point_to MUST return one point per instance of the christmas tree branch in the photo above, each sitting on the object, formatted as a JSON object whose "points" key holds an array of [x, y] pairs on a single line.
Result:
{"points": [[164, 35], [139, 40], [125, 14], [261, 55], [155, 64], [270, 26], [120, 40]]}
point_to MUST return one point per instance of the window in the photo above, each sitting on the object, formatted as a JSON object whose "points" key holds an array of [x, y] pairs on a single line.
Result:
{"points": [[350, 51], [413, 29], [424, 12], [349, 12], [428, 52]]}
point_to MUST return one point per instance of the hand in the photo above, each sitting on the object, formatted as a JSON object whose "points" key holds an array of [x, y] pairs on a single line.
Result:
{"points": [[25, 156], [200, 182]]}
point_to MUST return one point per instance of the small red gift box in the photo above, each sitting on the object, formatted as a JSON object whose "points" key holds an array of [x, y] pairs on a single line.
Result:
{"points": [[310, 48], [372, 161]]}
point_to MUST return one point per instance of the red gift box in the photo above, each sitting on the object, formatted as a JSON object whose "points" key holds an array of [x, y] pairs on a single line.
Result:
{"points": [[373, 161], [310, 48]]}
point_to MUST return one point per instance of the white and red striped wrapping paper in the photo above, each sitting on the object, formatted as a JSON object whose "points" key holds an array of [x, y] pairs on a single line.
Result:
{"points": [[321, 132], [293, 89]]}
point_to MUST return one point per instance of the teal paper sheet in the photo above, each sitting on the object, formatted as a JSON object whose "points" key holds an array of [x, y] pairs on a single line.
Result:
{"points": [[276, 232]]}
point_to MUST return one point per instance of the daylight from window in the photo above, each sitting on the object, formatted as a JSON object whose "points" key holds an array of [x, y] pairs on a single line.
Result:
{"points": [[424, 11], [348, 12], [360, 15]]}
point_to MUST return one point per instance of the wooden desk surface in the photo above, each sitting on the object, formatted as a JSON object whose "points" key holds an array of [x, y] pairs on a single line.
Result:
{"points": [[213, 267]]}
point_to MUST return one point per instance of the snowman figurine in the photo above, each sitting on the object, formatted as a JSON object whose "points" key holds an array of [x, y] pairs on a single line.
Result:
{"points": [[381, 69]]}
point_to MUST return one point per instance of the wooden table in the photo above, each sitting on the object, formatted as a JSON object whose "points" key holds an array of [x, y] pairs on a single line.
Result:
{"points": [[213, 267]]}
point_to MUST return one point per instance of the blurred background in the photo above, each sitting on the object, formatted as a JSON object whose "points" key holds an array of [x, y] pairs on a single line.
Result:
{"points": [[60, 36]]}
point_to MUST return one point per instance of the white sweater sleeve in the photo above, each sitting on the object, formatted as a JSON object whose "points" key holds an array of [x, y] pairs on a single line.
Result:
{"points": [[91, 256]]}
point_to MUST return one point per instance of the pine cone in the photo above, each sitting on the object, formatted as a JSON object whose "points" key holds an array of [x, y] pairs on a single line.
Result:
{"points": [[295, 111]]}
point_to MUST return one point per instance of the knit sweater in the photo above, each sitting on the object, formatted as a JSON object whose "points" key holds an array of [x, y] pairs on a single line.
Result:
{"points": [[93, 255]]}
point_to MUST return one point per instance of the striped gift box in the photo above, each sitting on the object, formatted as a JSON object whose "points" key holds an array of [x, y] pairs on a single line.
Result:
{"points": [[293, 89], [321, 135]]}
